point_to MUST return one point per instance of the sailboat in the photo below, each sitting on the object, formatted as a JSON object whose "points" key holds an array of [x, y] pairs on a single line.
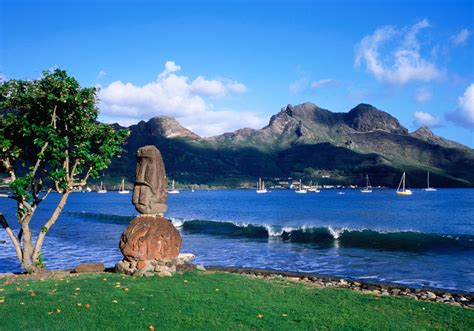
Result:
{"points": [[401, 190], [173, 190], [192, 188], [368, 187], [261, 186], [122, 189], [428, 188], [300, 190], [312, 188], [102, 188]]}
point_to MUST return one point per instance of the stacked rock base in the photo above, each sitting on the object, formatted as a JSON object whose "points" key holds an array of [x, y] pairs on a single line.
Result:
{"points": [[162, 267]]}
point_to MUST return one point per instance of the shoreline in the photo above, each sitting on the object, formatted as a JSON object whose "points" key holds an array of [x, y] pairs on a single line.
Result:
{"points": [[463, 299], [456, 298]]}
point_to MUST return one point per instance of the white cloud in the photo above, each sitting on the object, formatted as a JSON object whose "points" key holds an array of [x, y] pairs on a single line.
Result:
{"points": [[423, 94], [461, 37], [401, 64], [426, 119], [304, 84], [170, 67], [173, 95], [216, 88], [299, 85], [2, 77], [101, 74], [323, 83], [464, 114], [217, 122]]}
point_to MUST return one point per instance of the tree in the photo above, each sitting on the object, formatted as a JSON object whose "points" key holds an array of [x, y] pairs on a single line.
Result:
{"points": [[50, 140]]}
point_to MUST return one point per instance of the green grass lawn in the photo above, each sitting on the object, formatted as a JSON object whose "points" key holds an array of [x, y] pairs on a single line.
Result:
{"points": [[210, 301]]}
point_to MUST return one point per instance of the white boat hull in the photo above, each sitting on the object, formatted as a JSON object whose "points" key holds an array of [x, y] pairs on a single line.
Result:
{"points": [[102, 191], [261, 191], [173, 192], [124, 192], [301, 191]]}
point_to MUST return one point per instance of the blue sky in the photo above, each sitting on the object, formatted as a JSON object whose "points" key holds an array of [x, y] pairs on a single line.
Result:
{"points": [[220, 65]]}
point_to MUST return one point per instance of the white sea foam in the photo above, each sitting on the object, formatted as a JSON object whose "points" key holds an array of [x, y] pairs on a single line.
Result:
{"points": [[177, 222]]}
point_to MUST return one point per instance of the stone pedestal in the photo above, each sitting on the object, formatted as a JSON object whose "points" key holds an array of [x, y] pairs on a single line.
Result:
{"points": [[161, 266], [150, 245], [150, 237]]}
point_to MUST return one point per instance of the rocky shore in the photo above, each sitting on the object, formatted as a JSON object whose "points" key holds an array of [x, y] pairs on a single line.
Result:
{"points": [[465, 300]]}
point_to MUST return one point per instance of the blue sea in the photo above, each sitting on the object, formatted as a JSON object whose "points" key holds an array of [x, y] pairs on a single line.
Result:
{"points": [[423, 240]]}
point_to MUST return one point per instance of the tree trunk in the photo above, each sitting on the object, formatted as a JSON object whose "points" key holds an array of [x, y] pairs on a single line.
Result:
{"points": [[27, 261]]}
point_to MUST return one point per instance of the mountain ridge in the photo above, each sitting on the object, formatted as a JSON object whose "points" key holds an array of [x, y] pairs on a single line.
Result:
{"points": [[298, 141]]}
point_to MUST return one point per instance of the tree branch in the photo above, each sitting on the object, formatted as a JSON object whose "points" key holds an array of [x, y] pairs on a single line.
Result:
{"points": [[46, 194], [10, 233], [84, 180], [7, 165], [73, 171], [38, 161], [49, 224]]}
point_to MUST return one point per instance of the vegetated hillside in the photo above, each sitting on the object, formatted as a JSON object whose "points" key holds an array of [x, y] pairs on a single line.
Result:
{"points": [[304, 141]]}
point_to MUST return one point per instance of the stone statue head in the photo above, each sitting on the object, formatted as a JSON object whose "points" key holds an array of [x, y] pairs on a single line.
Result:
{"points": [[149, 190]]}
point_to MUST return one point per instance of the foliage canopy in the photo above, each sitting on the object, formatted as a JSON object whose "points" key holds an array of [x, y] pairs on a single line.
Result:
{"points": [[50, 140]]}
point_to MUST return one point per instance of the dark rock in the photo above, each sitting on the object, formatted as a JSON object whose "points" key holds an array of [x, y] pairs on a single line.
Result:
{"points": [[89, 267], [366, 118]]}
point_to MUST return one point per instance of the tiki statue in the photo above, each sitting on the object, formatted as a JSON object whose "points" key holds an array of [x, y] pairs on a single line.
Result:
{"points": [[149, 190]]}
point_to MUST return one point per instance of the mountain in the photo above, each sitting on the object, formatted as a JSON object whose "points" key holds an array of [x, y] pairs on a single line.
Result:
{"points": [[309, 124], [424, 133], [304, 141]]}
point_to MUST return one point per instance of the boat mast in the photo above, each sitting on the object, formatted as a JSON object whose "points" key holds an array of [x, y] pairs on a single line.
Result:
{"points": [[402, 181], [428, 179]]}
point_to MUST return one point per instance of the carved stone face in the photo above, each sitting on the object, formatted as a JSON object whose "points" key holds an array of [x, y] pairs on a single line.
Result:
{"points": [[149, 190]]}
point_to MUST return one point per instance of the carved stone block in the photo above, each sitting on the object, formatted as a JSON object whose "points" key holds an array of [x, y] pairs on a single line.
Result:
{"points": [[149, 190], [150, 237]]}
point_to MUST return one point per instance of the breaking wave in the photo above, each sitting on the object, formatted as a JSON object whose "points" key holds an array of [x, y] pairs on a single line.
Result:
{"points": [[331, 236], [324, 236]]}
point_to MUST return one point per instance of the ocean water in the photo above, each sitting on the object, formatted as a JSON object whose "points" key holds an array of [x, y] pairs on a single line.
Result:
{"points": [[423, 240]]}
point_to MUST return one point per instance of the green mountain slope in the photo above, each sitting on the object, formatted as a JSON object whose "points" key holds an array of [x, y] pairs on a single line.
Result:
{"points": [[304, 141]]}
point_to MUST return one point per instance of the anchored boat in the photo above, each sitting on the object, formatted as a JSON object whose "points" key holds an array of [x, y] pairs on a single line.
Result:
{"points": [[122, 189], [261, 186], [102, 189], [428, 188], [402, 190], [173, 190], [300, 190], [368, 187]]}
